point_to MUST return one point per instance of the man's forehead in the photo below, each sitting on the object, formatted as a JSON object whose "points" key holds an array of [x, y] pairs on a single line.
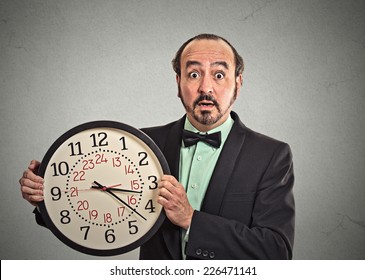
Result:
{"points": [[208, 49]]}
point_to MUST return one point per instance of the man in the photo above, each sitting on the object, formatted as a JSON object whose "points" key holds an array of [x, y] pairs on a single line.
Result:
{"points": [[229, 197]]}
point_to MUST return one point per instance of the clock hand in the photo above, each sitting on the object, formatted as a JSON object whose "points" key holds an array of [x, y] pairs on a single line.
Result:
{"points": [[115, 189], [113, 186], [126, 204], [99, 186], [123, 190]]}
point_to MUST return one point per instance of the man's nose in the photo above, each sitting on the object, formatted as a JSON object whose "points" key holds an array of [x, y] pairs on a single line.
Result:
{"points": [[206, 85]]}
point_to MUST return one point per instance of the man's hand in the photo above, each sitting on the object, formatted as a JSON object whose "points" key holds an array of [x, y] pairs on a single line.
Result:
{"points": [[31, 185], [172, 197]]}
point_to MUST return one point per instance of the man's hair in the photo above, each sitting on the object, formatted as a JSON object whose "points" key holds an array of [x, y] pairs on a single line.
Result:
{"points": [[177, 59]]}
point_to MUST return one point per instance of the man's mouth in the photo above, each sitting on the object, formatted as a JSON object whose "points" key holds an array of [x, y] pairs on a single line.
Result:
{"points": [[206, 103]]}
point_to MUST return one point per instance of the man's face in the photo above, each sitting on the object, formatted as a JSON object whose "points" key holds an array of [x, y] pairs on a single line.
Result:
{"points": [[208, 86]]}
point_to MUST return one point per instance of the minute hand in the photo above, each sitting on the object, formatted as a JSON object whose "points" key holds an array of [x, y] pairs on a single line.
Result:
{"points": [[99, 186], [126, 204]]}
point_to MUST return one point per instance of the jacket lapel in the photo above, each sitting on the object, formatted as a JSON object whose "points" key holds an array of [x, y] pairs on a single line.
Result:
{"points": [[224, 168]]}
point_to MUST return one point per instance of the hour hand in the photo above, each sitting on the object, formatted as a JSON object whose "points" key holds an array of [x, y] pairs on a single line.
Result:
{"points": [[98, 186]]}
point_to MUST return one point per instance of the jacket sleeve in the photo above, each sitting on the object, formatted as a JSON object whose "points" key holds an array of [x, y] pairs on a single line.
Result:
{"points": [[38, 217], [270, 233]]}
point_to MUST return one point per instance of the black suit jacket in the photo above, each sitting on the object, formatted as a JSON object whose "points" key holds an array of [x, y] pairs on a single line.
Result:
{"points": [[248, 210]]}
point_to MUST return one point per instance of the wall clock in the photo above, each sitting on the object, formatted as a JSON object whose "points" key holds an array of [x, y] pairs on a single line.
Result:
{"points": [[100, 188]]}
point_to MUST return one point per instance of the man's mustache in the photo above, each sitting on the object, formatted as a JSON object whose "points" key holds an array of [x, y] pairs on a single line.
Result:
{"points": [[205, 97]]}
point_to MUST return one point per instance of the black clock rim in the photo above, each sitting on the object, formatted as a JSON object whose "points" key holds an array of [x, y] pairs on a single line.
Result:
{"points": [[42, 168]]}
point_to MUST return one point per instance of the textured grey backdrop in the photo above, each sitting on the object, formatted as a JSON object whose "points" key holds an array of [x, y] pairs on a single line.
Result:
{"points": [[63, 63]]}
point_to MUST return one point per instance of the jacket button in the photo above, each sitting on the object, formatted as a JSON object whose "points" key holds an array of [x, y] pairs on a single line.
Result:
{"points": [[205, 253], [212, 255], [198, 252]]}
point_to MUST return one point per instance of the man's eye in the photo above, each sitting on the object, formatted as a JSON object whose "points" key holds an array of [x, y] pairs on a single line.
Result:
{"points": [[219, 76], [194, 75]]}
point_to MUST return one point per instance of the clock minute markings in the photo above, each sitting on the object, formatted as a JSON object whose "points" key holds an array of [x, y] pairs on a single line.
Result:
{"points": [[108, 190]]}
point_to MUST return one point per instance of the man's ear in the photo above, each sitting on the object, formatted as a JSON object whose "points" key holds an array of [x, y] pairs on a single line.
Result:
{"points": [[178, 85], [239, 82]]}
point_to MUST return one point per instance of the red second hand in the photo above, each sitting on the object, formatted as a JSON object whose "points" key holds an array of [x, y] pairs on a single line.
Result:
{"points": [[113, 186], [108, 187]]}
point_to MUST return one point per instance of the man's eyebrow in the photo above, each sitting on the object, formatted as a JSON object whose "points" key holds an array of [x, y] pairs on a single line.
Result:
{"points": [[220, 63], [216, 63], [192, 62]]}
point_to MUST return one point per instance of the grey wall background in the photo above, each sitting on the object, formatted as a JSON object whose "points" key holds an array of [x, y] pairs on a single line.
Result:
{"points": [[63, 63]]}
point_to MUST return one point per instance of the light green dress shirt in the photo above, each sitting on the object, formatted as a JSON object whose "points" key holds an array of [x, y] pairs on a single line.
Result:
{"points": [[197, 164]]}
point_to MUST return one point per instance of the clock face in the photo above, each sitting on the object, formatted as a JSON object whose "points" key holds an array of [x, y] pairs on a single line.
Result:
{"points": [[100, 188]]}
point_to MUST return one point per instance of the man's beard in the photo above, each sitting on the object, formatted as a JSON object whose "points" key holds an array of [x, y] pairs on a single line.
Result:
{"points": [[206, 117]]}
